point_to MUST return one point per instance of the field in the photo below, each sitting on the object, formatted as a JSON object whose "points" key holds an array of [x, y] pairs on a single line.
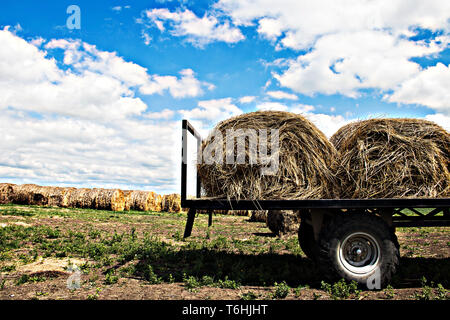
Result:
{"points": [[138, 255]]}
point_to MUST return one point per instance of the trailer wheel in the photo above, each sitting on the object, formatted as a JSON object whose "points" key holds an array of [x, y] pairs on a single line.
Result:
{"points": [[306, 240], [359, 247]]}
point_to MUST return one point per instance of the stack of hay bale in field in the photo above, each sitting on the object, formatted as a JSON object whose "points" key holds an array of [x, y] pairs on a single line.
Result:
{"points": [[393, 158], [305, 161], [96, 198]]}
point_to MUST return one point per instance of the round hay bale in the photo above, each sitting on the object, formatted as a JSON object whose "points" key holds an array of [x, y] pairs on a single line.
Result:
{"points": [[305, 159], [127, 200], [171, 203], [65, 201], [393, 158], [283, 222], [6, 192], [29, 194], [258, 216], [81, 198], [158, 202], [110, 199], [38, 195], [55, 196], [89, 198], [141, 200]]}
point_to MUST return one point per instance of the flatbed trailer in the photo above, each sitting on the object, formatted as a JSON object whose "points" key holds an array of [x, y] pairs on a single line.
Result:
{"points": [[348, 238]]}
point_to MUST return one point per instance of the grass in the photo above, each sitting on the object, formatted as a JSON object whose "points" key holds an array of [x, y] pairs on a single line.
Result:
{"points": [[341, 289], [232, 255], [281, 290]]}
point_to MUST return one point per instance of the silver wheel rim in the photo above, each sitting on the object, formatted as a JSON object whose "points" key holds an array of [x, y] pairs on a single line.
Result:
{"points": [[359, 253]]}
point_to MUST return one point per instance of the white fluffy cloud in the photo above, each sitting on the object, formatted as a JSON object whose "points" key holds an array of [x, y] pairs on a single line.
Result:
{"points": [[282, 95], [272, 106], [441, 119], [328, 124], [83, 56], [185, 86], [352, 45], [30, 81], [302, 108], [199, 31], [78, 121], [299, 23], [66, 151], [346, 63], [212, 110], [431, 88], [247, 99]]}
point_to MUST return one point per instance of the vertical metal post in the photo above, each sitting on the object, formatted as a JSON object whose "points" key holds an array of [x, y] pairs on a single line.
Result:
{"points": [[183, 160], [210, 213], [189, 223], [199, 159], [192, 211]]}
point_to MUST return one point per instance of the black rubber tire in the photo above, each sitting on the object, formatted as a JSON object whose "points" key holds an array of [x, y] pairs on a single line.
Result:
{"points": [[306, 240], [337, 229]]}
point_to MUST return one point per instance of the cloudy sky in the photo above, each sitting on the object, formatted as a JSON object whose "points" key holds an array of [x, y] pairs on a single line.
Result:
{"points": [[100, 106]]}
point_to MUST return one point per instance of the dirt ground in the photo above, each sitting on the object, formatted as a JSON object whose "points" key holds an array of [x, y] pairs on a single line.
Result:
{"points": [[74, 254]]}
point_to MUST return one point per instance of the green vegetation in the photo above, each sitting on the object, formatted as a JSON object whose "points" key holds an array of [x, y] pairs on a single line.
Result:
{"points": [[233, 254], [281, 290], [431, 292], [341, 289]]}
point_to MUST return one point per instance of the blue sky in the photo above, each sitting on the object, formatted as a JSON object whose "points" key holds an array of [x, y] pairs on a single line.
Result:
{"points": [[100, 106]]}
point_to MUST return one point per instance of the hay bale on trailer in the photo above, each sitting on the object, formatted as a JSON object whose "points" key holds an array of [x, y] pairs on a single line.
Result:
{"points": [[283, 222], [305, 157], [393, 158], [6, 192]]}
